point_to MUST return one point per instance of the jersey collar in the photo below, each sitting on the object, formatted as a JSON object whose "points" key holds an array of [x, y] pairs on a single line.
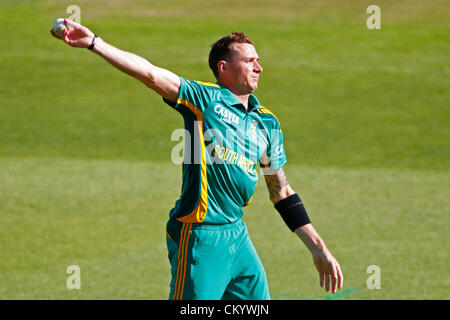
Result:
{"points": [[253, 102]]}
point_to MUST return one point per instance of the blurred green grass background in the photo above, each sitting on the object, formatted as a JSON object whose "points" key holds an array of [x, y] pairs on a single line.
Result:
{"points": [[85, 171]]}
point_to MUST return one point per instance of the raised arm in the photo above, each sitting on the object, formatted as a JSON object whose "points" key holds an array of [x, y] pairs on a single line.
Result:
{"points": [[162, 81], [289, 205]]}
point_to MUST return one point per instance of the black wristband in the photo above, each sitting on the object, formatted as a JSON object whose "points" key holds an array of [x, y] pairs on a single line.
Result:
{"points": [[292, 211], [93, 42]]}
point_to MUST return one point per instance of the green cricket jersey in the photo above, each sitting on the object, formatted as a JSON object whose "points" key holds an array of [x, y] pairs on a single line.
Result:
{"points": [[223, 145]]}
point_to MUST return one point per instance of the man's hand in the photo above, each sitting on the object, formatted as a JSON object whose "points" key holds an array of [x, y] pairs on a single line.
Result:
{"points": [[78, 36], [162, 81], [327, 266], [329, 270]]}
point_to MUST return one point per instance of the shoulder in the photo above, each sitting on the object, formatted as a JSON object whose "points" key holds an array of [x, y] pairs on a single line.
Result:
{"points": [[199, 93], [202, 89], [268, 117], [204, 86], [209, 85]]}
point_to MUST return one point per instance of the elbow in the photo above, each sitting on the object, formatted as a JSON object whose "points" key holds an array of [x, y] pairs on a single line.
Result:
{"points": [[149, 79], [147, 74]]}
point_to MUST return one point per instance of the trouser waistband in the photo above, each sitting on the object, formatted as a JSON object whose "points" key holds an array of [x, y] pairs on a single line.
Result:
{"points": [[206, 226]]}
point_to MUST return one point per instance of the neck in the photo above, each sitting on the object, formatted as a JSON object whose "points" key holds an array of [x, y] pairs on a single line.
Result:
{"points": [[243, 98], [241, 95]]}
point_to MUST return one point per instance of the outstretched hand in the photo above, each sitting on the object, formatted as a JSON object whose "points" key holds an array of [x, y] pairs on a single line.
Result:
{"points": [[76, 36]]}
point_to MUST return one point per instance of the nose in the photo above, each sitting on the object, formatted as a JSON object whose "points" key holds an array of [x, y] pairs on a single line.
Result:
{"points": [[258, 68]]}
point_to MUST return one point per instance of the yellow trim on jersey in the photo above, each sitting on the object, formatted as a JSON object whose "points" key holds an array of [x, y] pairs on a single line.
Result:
{"points": [[265, 110], [167, 233], [199, 213], [251, 198], [210, 84], [248, 202], [192, 107]]}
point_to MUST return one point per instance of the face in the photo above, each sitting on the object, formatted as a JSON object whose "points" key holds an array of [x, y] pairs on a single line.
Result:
{"points": [[243, 68]]}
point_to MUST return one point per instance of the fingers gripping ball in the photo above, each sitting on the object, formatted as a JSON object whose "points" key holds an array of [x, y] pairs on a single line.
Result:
{"points": [[58, 26]]}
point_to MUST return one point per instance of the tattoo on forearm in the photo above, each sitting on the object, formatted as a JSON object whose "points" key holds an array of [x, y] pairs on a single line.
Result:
{"points": [[276, 182]]}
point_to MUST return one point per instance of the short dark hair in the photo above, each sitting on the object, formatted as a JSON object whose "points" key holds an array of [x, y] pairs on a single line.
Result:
{"points": [[221, 49]]}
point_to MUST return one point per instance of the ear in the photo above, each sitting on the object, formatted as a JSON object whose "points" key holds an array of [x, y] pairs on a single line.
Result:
{"points": [[222, 66]]}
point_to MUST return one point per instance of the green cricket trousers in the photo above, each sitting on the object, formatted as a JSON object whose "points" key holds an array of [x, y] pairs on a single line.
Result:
{"points": [[213, 262]]}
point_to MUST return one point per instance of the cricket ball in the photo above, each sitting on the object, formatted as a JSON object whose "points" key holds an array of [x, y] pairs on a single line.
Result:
{"points": [[58, 26]]}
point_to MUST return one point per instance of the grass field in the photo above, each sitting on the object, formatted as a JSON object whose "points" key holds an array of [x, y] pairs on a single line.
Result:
{"points": [[85, 172]]}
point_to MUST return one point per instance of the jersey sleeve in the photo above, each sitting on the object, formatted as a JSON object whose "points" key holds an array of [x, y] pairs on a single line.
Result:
{"points": [[192, 95], [275, 157]]}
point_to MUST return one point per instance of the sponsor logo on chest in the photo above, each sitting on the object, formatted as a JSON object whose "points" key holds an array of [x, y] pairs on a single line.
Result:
{"points": [[226, 115]]}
